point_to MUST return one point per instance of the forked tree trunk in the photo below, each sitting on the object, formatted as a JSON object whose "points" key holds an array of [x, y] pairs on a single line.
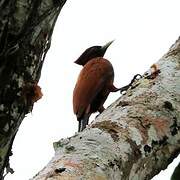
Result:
{"points": [[133, 139], [25, 35]]}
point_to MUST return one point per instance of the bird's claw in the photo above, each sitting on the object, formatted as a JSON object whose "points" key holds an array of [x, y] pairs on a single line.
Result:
{"points": [[125, 88], [136, 77]]}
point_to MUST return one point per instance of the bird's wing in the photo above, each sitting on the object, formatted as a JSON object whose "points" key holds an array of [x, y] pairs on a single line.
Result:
{"points": [[92, 79]]}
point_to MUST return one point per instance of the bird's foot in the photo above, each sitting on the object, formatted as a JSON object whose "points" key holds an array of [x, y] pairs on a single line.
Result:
{"points": [[125, 88]]}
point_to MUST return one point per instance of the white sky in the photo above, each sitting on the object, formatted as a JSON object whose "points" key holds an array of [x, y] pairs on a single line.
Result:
{"points": [[143, 31]]}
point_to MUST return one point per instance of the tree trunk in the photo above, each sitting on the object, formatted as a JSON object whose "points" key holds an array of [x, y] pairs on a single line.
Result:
{"points": [[25, 35], [135, 138]]}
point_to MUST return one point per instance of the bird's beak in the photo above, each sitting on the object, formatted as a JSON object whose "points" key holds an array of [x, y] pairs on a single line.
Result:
{"points": [[77, 61], [104, 48]]}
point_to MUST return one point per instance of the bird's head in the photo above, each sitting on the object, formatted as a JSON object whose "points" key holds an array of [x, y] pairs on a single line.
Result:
{"points": [[92, 52]]}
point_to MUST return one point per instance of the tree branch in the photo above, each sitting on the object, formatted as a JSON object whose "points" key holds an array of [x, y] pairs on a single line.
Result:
{"points": [[25, 36], [135, 138]]}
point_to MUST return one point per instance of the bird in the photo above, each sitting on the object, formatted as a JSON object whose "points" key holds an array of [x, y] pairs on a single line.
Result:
{"points": [[93, 85]]}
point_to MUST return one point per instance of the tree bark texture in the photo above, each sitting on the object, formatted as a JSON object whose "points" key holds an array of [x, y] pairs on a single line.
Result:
{"points": [[25, 34], [134, 138]]}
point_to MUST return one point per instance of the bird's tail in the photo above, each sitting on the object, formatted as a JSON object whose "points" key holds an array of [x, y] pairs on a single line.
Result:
{"points": [[83, 122]]}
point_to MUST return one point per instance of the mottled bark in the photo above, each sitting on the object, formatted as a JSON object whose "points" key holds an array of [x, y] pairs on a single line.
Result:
{"points": [[25, 34], [135, 138]]}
